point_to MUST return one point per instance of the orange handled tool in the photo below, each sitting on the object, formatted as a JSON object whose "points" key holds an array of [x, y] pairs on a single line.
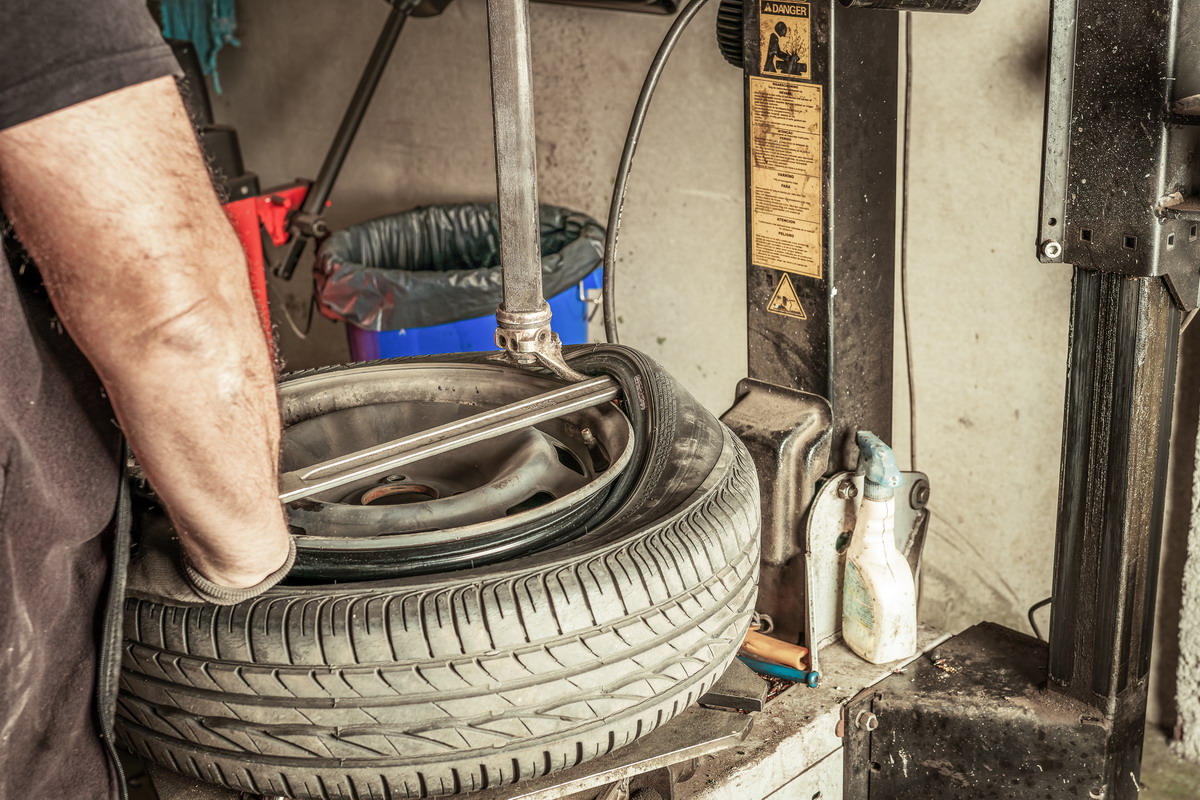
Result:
{"points": [[764, 648]]}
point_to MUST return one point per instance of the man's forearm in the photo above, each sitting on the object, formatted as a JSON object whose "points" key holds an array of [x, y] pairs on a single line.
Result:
{"points": [[211, 448], [113, 199]]}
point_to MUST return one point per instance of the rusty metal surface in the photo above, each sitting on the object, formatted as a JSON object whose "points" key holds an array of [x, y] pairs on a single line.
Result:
{"points": [[1119, 189], [973, 719], [1115, 148], [943, 6], [1120, 395], [788, 435], [796, 734]]}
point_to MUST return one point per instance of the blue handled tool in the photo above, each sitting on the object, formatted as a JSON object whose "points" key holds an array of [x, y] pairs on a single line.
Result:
{"points": [[810, 679]]}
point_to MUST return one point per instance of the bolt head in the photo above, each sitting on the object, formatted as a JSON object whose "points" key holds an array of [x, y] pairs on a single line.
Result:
{"points": [[866, 721], [920, 495], [1052, 249], [847, 490]]}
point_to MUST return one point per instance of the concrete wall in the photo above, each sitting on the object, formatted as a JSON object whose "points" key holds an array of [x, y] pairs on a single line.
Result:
{"points": [[428, 138], [989, 323]]}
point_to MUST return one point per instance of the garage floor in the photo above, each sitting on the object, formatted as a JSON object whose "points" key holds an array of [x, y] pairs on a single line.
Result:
{"points": [[1164, 775]]}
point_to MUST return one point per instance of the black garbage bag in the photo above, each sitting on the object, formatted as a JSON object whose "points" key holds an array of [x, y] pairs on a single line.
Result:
{"points": [[439, 264]]}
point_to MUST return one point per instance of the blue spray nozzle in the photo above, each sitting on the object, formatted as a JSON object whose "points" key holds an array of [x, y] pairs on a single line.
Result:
{"points": [[881, 474]]}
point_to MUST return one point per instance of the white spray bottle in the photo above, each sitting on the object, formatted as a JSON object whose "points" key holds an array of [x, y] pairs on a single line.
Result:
{"points": [[879, 603]]}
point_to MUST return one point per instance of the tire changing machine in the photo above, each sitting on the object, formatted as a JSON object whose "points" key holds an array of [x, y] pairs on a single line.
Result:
{"points": [[990, 712]]}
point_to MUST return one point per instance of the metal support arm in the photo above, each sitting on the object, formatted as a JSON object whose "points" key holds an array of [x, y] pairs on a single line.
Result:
{"points": [[307, 221], [523, 319]]}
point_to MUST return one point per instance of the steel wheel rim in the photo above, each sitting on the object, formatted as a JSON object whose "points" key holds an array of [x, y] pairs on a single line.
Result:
{"points": [[470, 387]]}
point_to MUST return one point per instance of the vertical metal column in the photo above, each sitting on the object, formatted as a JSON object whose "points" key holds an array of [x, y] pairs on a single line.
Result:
{"points": [[516, 157], [523, 318], [1118, 202], [1120, 392], [820, 262], [1118, 165], [821, 209]]}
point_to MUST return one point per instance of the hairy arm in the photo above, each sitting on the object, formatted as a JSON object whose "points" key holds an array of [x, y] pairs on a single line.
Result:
{"points": [[113, 199]]}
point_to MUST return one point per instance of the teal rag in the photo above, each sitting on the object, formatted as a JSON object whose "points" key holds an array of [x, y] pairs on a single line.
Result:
{"points": [[207, 24]]}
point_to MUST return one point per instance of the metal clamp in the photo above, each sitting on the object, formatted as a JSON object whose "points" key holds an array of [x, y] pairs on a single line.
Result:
{"points": [[311, 225], [527, 338]]}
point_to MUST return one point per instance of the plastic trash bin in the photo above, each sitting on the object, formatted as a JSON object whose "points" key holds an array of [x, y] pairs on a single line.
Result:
{"points": [[428, 280], [469, 335]]}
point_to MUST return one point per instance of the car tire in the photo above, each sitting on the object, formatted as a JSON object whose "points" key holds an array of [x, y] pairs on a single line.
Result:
{"points": [[433, 685]]}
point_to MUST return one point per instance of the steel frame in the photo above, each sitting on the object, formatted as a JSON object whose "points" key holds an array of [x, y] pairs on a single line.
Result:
{"points": [[1118, 203]]}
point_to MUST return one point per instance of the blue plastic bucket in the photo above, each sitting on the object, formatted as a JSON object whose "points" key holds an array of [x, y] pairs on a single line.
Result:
{"points": [[471, 335]]}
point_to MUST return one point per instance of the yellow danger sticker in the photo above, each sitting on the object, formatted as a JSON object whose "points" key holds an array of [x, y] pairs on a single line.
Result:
{"points": [[786, 165], [785, 39], [785, 301]]}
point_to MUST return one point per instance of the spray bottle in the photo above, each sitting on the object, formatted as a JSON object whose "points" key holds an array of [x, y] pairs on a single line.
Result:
{"points": [[879, 605]]}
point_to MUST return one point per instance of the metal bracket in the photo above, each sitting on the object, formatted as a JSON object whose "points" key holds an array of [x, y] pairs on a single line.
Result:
{"points": [[827, 532], [1119, 175], [788, 435], [738, 689], [313, 226], [972, 719]]}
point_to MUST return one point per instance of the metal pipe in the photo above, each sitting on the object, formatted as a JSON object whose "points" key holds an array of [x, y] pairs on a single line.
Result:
{"points": [[387, 456], [523, 319], [318, 193], [945, 6], [516, 159]]}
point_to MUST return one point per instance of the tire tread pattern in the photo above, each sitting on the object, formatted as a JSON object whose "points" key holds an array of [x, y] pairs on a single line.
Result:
{"points": [[427, 686]]}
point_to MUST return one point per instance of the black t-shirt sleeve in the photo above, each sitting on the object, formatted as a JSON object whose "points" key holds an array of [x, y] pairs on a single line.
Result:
{"points": [[56, 53]]}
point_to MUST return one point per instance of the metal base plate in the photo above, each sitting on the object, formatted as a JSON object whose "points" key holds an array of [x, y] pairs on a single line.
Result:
{"points": [[974, 719]]}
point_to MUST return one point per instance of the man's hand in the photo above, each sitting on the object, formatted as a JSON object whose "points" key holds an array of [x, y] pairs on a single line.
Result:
{"points": [[113, 199], [162, 572]]}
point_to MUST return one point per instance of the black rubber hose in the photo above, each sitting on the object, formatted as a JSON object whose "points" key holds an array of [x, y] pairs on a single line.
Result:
{"points": [[622, 180], [1033, 621]]}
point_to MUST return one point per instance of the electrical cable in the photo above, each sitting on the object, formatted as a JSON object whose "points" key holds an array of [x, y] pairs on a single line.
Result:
{"points": [[1033, 622], [621, 183], [281, 304], [908, 353]]}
